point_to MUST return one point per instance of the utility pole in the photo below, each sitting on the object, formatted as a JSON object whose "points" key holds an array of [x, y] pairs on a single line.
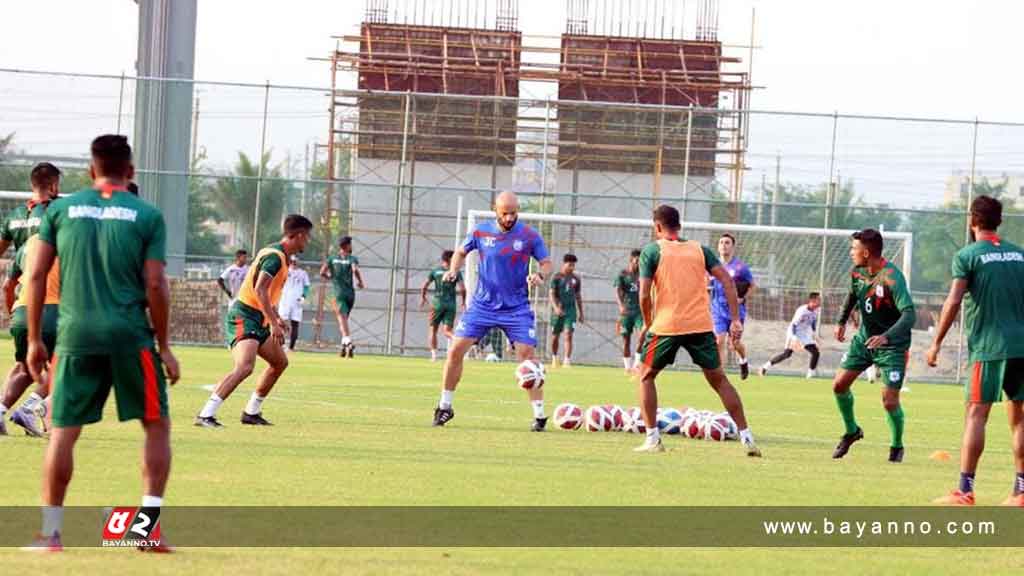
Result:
{"points": [[195, 136]]}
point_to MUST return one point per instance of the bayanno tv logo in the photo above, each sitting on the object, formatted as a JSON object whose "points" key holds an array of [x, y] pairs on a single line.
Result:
{"points": [[132, 527]]}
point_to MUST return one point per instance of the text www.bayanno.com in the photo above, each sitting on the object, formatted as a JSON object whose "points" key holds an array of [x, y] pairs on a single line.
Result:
{"points": [[861, 528]]}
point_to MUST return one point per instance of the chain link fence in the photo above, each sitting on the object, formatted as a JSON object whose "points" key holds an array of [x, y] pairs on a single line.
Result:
{"points": [[404, 163]]}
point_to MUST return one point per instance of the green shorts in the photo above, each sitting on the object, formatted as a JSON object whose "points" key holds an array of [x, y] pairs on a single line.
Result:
{"points": [[658, 352], [244, 324], [442, 314], [891, 362], [629, 323], [81, 384], [566, 322], [990, 379], [345, 303], [19, 330]]}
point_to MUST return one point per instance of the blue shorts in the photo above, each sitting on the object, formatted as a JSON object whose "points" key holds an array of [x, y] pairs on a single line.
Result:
{"points": [[722, 319], [518, 325]]}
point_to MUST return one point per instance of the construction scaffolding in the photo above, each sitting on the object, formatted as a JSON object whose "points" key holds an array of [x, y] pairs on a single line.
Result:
{"points": [[427, 96]]}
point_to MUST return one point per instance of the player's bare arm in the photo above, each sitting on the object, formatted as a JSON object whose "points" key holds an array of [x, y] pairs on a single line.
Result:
{"points": [[223, 286], [423, 293], [359, 276], [720, 274], [325, 271], [553, 299], [950, 310], [3, 246], [458, 259], [460, 287], [538, 278], [36, 285], [646, 309], [619, 299], [158, 298], [579, 299], [9, 285], [278, 328], [844, 317]]}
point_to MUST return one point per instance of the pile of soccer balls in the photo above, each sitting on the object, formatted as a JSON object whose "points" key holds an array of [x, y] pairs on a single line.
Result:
{"points": [[689, 422]]}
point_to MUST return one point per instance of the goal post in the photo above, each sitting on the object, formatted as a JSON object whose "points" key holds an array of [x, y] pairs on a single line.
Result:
{"points": [[787, 262]]}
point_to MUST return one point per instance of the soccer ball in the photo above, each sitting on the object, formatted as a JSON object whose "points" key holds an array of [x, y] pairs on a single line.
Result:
{"points": [[718, 427], [598, 419], [732, 430], [692, 426], [633, 421], [618, 416], [670, 420], [530, 375], [568, 416]]}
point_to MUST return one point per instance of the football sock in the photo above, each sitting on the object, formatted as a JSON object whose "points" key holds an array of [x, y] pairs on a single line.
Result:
{"points": [[53, 520], [34, 399], [627, 362], [653, 435], [446, 399], [294, 335], [3, 410], [895, 420], [255, 404], [967, 482], [636, 359], [845, 402], [345, 341], [210, 408], [746, 437], [1018, 486], [433, 354], [152, 501], [538, 408], [742, 360], [812, 349]]}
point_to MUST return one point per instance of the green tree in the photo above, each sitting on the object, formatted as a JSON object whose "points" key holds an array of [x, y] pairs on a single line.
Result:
{"points": [[233, 197], [201, 238]]}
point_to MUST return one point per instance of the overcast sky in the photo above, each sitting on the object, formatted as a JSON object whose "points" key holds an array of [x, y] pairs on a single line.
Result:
{"points": [[931, 58], [950, 58]]}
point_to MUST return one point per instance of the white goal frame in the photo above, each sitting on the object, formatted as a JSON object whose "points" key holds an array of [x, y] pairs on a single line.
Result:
{"points": [[473, 216]]}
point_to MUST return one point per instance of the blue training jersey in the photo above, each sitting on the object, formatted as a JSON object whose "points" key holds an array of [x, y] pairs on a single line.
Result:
{"points": [[504, 264], [740, 272]]}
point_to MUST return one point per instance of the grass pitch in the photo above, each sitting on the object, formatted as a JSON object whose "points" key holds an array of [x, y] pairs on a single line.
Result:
{"points": [[357, 432]]}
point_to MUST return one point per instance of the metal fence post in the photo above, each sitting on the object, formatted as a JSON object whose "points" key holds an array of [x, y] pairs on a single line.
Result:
{"points": [[686, 164], [120, 103], [967, 239], [389, 339], [259, 172], [828, 204]]}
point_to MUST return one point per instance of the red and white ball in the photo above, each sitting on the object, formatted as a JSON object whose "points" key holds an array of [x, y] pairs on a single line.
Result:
{"points": [[692, 426], [530, 375], [568, 416], [633, 421], [598, 419], [721, 427], [618, 416]]}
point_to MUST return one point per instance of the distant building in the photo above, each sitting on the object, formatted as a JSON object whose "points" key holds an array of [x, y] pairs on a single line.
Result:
{"points": [[958, 183]]}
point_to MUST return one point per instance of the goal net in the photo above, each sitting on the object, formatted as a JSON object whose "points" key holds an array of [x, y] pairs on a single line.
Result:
{"points": [[787, 263]]}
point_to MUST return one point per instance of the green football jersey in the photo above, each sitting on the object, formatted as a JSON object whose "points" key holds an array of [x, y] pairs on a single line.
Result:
{"points": [[103, 244], [884, 303], [566, 287], [444, 292], [994, 303], [341, 273], [629, 284], [22, 222]]}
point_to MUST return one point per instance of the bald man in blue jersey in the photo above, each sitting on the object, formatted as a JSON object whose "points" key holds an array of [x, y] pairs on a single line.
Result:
{"points": [[501, 299]]}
